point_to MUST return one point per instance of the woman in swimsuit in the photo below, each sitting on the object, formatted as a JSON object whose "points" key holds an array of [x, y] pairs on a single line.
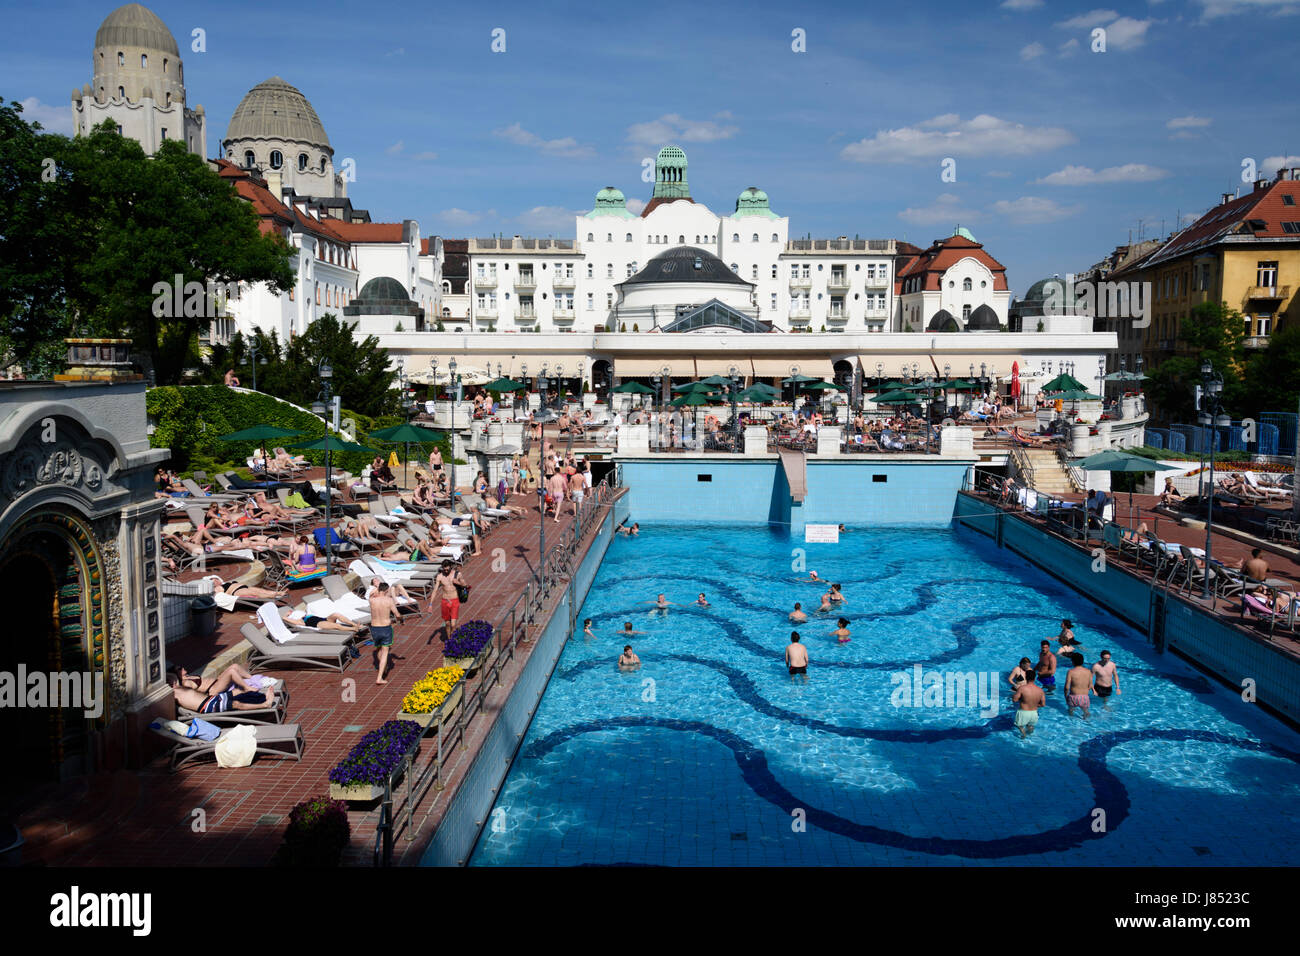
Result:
{"points": [[238, 589], [303, 553], [842, 632]]}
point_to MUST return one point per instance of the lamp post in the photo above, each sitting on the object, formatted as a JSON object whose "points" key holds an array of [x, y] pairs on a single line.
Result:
{"points": [[734, 374], [1213, 417], [321, 407], [255, 358], [794, 391], [523, 393], [451, 380], [559, 388]]}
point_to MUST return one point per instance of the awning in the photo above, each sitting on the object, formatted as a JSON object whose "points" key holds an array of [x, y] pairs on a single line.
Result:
{"points": [[575, 364], [780, 368], [721, 365], [678, 366], [959, 362]]}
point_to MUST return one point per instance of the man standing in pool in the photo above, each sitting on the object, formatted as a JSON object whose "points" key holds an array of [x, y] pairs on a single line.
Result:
{"points": [[797, 615], [1078, 686], [1047, 667], [1105, 678], [796, 656], [1028, 698]]}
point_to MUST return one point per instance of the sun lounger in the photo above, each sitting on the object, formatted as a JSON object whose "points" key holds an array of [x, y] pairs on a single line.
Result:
{"points": [[281, 631], [265, 652], [274, 712], [273, 740]]}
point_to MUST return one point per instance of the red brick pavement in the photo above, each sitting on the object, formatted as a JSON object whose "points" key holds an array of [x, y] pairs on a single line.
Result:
{"points": [[149, 817]]}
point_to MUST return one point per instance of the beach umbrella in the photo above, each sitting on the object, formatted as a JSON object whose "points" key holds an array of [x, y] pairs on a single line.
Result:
{"points": [[799, 379], [1123, 462], [633, 388], [1078, 395], [406, 434], [691, 387], [505, 384], [823, 386], [331, 444], [716, 380], [1064, 383], [1125, 377], [261, 433], [895, 398], [755, 395]]}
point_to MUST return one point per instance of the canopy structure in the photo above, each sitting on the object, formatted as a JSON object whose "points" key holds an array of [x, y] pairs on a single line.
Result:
{"points": [[633, 388], [1064, 383]]}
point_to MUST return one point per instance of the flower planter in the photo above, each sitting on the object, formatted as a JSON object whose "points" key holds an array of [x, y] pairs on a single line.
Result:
{"points": [[449, 704], [359, 792]]}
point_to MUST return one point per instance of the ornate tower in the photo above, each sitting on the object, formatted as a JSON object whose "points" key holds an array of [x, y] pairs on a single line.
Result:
{"points": [[670, 174]]}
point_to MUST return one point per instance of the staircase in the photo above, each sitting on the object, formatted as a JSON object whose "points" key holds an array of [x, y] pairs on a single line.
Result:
{"points": [[1041, 469]]}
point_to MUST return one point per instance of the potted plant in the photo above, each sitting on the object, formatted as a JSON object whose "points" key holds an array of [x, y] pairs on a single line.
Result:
{"points": [[361, 775], [317, 834], [468, 645], [434, 696]]}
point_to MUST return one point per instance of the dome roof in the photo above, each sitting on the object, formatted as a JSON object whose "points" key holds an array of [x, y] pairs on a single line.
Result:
{"points": [[943, 322], [382, 295], [1041, 289], [686, 264], [275, 110], [755, 194], [384, 287], [611, 194], [610, 201], [964, 233], [135, 26], [753, 202], [983, 319], [671, 156]]}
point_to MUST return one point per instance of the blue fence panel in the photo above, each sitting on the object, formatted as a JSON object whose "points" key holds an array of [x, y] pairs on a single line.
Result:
{"points": [[1177, 441], [1285, 423], [1236, 436], [1269, 439], [1156, 438], [1192, 436]]}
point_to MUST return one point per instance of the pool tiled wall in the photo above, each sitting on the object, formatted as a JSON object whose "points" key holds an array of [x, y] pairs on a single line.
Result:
{"points": [[755, 490], [1232, 655]]}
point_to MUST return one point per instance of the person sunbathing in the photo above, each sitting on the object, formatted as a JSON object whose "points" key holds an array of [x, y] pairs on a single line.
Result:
{"points": [[236, 675], [237, 589], [212, 701], [334, 622]]}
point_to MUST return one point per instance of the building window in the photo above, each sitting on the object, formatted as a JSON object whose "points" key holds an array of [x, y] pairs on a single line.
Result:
{"points": [[965, 313], [629, 237], [591, 302], [773, 300], [302, 162], [609, 237], [735, 237], [609, 300], [590, 271], [609, 270], [164, 64], [755, 273], [755, 239], [735, 268], [631, 269], [774, 270], [965, 285], [589, 237], [121, 60], [164, 132], [277, 159], [318, 293], [121, 92], [322, 164], [775, 237], [144, 61], [1266, 274]]}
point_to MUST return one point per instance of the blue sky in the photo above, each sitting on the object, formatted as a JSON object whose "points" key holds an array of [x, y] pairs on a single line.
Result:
{"points": [[1059, 151]]}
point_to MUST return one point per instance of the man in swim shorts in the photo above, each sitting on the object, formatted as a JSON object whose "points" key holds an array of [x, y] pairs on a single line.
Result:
{"points": [[445, 586], [219, 702], [383, 609], [1047, 668], [1028, 698], [796, 656], [1078, 686], [1105, 678]]}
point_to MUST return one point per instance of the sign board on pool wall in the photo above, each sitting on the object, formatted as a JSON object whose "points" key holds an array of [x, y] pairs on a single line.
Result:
{"points": [[821, 534]]}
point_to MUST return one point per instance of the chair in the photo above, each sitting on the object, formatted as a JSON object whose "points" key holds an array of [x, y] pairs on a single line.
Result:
{"points": [[281, 631], [275, 711], [273, 740], [1192, 572], [327, 539], [265, 651]]}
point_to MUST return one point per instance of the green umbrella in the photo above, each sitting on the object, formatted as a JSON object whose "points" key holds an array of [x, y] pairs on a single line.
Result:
{"points": [[692, 387], [1125, 377], [691, 398], [763, 386], [406, 434], [1113, 460], [799, 379], [896, 383], [755, 395], [716, 380], [1078, 395], [960, 385], [820, 386], [1064, 383], [331, 444], [895, 398], [260, 434], [504, 385], [634, 388]]}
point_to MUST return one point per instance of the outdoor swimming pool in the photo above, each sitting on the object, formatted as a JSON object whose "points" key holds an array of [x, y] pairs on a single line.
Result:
{"points": [[712, 755]]}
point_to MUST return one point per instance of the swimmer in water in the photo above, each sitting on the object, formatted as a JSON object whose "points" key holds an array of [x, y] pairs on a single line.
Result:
{"points": [[842, 632], [826, 603], [661, 603], [811, 579], [701, 601], [797, 615], [836, 595], [628, 661], [627, 630], [586, 628]]}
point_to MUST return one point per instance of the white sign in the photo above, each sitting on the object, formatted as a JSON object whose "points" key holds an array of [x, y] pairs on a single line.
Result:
{"points": [[821, 534]]}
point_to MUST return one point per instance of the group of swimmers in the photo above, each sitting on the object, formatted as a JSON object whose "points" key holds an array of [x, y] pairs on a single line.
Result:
{"points": [[1032, 683]]}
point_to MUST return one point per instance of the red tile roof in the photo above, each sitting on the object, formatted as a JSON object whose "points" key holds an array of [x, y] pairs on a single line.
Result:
{"points": [[944, 254], [273, 214], [1233, 218], [658, 201], [368, 231]]}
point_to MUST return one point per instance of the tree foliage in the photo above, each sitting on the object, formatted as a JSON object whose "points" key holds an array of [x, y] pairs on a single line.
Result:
{"points": [[1215, 333], [91, 225]]}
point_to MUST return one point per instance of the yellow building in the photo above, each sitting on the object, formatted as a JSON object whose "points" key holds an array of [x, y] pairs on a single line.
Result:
{"points": [[1244, 253]]}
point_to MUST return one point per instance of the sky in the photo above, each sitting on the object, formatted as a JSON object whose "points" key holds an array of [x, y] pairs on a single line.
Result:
{"points": [[1050, 141]]}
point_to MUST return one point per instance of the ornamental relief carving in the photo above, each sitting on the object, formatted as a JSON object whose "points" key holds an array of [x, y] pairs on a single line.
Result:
{"points": [[56, 463]]}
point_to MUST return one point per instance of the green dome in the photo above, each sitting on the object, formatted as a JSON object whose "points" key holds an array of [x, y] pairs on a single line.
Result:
{"points": [[753, 202], [964, 233], [671, 156], [610, 201]]}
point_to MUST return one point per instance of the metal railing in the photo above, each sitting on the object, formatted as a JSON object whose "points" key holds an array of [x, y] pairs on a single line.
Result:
{"points": [[509, 631]]}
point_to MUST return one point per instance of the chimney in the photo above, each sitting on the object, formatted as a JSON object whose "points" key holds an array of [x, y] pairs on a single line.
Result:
{"points": [[1227, 198], [1295, 172], [1281, 174], [1261, 184]]}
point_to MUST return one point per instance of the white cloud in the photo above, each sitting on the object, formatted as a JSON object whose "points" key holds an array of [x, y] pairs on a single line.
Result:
{"points": [[947, 207], [1032, 51], [1068, 48], [541, 219], [396, 148], [1272, 164], [1213, 9], [566, 146], [1085, 176], [634, 206], [1187, 122], [425, 156], [1030, 210], [459, 217], [53, 119], [674, 128], [1086, 21], [983, 135], [1127, 33], [1021, 4]]}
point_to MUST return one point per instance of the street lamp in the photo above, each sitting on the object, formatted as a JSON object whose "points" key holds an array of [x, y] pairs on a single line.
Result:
{"points": [[321, 407], [1212, 416], [433, 374], [451, 380], [734, 374], [255, 358]]}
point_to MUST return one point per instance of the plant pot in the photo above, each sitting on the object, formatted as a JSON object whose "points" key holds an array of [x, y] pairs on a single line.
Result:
{"points": [[449, 704], [360, 792]]}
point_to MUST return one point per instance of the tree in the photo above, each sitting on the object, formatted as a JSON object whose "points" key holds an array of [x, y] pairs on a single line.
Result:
{"points": [[1215, 333], [1273, 377], [92, 226], [361, 374]]}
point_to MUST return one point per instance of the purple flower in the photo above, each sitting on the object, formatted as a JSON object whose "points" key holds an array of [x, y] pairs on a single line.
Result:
{"points": [[468, 640], [377, 754]]}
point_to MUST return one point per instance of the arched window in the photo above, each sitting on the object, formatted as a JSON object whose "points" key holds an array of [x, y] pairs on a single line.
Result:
{"points": [[248, 158], [755, 239], [609, 237], [629, 237], [168, 100], [965, 285], [680, 240], [735, 268], [230, 154], [121, 92], [164, 64], [302, 162], [121, 59], [277, 159], [735, 237], [322, 164], [755, 275], [144, 61], [589, 237], [775, 237]]}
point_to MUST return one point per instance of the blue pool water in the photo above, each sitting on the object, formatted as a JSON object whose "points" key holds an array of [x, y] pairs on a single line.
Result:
{"points": [[712, 755]]}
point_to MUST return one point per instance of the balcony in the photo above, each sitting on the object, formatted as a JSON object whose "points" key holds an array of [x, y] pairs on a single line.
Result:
{"points": [[800, 312], [486, 314], [838, 317], [562, 315], [563, 282], [1259, 293], [801, 282], [1255, 342], [877, 282], [485, 282], [526, 281], [838, 283]]}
